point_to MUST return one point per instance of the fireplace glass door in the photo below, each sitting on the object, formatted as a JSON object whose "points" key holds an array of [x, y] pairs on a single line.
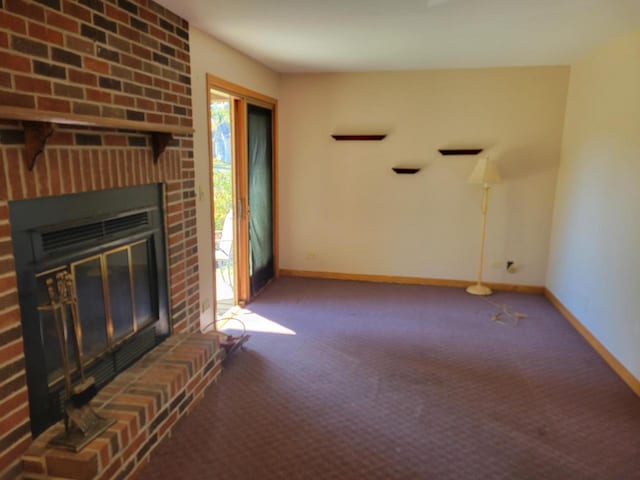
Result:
{"points": [[114, 299], [87, 276]]}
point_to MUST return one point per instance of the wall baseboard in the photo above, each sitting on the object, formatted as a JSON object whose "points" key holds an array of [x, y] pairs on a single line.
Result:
{"points": [[438, 282], [615, 365]]}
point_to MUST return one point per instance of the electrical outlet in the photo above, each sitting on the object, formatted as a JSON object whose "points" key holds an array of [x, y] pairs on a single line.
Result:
{"points": [[497, 264], [310, 255]]}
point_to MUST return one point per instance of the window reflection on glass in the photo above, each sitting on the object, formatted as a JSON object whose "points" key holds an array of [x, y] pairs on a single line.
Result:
{"points": [[120, 293], [88, 280], [222, 184], [142, 283], [50, 341]]}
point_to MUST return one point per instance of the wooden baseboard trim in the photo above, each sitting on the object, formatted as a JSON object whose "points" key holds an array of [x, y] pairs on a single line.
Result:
{"points": [[615, 365], [438, 282]]}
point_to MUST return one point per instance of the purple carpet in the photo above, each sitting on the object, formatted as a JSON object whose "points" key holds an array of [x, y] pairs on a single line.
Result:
{"points": [[407, 382]]}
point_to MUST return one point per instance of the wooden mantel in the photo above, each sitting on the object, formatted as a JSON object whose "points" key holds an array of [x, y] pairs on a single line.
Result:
{"points": [[39, 126]]}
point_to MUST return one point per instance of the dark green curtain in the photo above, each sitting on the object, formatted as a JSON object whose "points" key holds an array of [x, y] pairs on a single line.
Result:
{"points": [[260, 197]]}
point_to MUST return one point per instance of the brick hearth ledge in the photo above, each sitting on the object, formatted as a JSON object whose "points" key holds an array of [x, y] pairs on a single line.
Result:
{"points": [[146, 400]]}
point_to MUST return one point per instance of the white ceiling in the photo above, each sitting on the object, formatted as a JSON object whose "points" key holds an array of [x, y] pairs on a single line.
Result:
{"points": [[364, 35]]}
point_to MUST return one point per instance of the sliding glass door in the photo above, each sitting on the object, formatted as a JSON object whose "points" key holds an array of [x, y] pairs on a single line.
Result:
{"points": [[224, 221], [243, 177]]}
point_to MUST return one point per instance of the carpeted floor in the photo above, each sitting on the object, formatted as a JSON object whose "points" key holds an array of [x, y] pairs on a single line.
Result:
{"points": [[406, 382]]}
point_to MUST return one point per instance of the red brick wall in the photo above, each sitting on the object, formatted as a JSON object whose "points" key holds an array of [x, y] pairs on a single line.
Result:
{"points": [[117, 59], [112, 58]]}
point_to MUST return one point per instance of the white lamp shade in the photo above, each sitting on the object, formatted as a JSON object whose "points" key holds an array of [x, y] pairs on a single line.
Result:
{"points": [[485, 172]]}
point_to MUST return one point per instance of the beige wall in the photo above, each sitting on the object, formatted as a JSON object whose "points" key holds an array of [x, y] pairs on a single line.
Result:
{"points": [[342, 209], [594, 265], [209, 55]]}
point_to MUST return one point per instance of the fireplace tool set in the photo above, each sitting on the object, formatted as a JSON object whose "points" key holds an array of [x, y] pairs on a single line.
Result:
{"points": [[81, 423]]}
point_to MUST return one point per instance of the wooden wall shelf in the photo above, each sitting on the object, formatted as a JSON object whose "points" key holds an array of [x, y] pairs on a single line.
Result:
{"points": [[460, 151], [405, 170], [39, 126], [359, 137]]}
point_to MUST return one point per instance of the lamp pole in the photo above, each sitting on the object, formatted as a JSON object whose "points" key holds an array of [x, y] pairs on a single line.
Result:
{"points": [[479, 288]]}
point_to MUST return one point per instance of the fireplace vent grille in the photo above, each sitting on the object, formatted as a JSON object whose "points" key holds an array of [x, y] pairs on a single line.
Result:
{"points": [[80, 234]]}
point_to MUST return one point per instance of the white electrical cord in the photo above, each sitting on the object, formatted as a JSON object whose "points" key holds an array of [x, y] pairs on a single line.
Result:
{"points": [[505, 311]]}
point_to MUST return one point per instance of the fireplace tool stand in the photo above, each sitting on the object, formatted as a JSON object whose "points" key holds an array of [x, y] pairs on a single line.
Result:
{"points": [[81, 423]]}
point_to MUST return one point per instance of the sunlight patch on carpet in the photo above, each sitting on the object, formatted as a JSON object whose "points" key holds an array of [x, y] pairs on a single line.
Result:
{"points": [[253, 322]]}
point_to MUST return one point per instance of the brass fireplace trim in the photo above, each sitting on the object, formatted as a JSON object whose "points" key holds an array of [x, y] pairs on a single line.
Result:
{"points": [[111, 342]]}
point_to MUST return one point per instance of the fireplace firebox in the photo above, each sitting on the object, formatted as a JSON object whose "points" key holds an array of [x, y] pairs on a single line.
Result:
{"points": [[111, 245]]}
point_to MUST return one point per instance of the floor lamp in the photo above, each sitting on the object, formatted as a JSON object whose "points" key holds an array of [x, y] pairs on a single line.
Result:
{"points": [[485, 173]]}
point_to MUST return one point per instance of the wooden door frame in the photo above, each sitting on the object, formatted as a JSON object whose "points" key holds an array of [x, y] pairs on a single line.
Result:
{"points": [[239, 98]]}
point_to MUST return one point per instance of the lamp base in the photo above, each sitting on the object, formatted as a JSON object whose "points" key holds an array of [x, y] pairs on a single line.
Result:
{"points": [[479, 289]]}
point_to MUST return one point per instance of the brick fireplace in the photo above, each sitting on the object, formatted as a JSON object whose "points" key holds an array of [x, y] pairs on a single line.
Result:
{"points": [[102, 74]]}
